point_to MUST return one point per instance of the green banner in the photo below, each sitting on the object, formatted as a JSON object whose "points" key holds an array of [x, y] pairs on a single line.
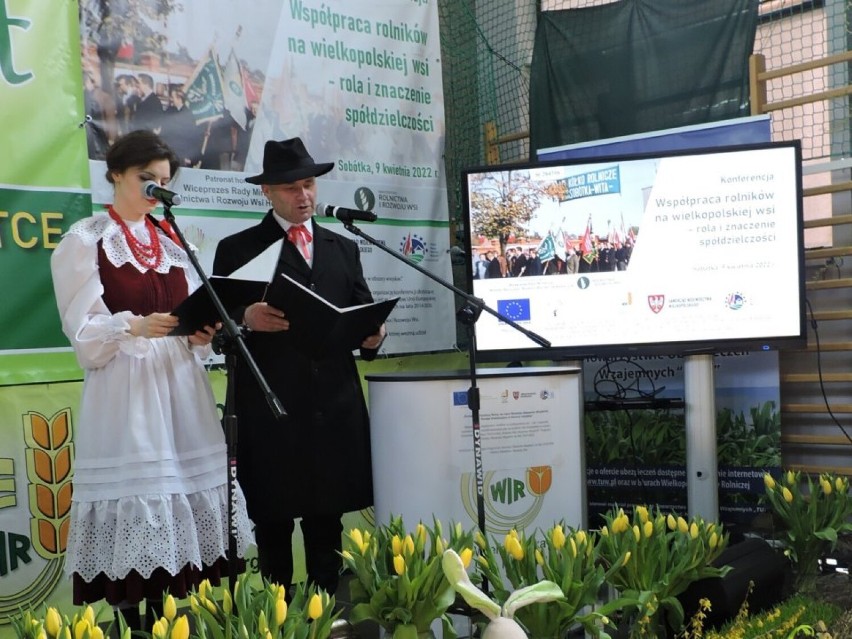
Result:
{"points": [[44, 182]]}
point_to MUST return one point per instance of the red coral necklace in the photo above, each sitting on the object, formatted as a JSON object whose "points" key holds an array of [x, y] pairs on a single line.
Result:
{"points": [[148, 255]]}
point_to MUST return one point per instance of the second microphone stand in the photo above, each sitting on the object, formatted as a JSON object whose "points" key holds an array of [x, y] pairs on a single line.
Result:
{"points": [[467, 315], [231, 342]]}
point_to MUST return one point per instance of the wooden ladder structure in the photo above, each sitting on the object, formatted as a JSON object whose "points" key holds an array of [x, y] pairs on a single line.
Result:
{"points": [[816, 380]]}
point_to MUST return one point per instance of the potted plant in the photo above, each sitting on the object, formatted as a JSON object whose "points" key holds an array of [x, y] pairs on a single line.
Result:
{"points": [[399, 582], [652, 558], [814, 514], [566, 557]]}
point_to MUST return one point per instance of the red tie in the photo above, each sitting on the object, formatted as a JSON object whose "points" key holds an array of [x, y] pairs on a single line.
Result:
{"points": [[301, 238]]}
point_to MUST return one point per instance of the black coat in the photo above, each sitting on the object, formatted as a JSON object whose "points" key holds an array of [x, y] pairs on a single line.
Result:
{"points": [[317, 460]]}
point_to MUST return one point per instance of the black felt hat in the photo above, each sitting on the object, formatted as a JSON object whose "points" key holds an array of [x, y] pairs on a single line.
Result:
{"points": [[288, 161]]}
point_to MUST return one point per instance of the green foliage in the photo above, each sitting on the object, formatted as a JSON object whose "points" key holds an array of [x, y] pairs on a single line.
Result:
{"points": [[645, 437], [757, 445], [653, 558], [260, 613], [399, 581], [814, 514], [566, 557]]}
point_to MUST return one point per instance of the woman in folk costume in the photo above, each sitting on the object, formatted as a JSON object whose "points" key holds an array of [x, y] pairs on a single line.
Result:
{"points": [[150, 506]]}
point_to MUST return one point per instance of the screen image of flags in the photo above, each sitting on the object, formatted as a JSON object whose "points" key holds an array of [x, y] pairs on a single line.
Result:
{"points": [[516, 310]]}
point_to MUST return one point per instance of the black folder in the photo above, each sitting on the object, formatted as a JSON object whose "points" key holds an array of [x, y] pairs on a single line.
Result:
{"points": [[198, 310], [318, 326]]}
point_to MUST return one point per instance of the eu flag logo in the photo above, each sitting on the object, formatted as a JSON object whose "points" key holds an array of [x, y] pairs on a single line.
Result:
{"points": [[515, 310]]}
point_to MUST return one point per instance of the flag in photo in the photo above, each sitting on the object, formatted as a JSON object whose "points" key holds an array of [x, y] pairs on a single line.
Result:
{"points": [[204, 91], [547, 248], [517, 310], [587, 247], [234, 93]]}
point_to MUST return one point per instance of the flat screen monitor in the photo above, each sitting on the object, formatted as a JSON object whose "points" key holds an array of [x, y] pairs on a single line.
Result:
{"points": [[678, 252]]}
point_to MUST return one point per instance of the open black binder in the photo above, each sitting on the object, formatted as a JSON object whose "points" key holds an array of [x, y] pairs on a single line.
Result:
{"points": [[316, 324]]}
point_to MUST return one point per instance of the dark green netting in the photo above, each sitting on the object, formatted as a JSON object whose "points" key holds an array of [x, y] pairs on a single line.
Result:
{"points": [[639, 65]]}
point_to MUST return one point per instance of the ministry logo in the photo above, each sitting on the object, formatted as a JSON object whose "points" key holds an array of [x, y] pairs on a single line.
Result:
{"points": [[735, 301], [414, 247], [365, 199]]}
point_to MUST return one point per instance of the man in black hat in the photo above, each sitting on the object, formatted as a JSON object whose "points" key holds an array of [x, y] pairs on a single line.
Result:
{"points": [[315, 464]]}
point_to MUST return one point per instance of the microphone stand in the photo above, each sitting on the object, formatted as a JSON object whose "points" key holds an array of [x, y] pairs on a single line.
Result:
{"points": [[467, 316], [231, 342]]}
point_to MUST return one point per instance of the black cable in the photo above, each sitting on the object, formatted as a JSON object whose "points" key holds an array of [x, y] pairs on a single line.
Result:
{"points": [[819, 372]]}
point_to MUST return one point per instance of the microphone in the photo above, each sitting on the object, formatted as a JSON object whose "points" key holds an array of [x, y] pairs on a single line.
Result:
{"points": [[154, 191], [344, 215]]}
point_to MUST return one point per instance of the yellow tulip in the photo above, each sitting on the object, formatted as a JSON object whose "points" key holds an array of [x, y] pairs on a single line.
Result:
{"points": [[573, 548], [604, 532], [479, 540], [791, 477], [670, 522], [482, 561], [43, 635], [396, 545], [682, 526], [626, 558], [193, 604], [97, 633], [89, 615], [227, 602], [180, 630], [157, 630], [466, 555], [557, 536], [262, 623], [440, 545], [408, 546], [637, 534], [838, 484], [513, 533], [398, 564], [459, 529], [648, 528], [169, 608], [826, 487], [367, 537], [81, 629], [643, 513], [347, 555], [580, 536], [315, 607], [268, 635], [280, 592], [52, 622], [539, 558], [237, 590], [210, 606], [768, 481], [693, 530], [788, 496], [66, 633], [420, 533], [357, 538], [515, 549], [623, 523], [714, 540], [203, 587], [280, 611]]}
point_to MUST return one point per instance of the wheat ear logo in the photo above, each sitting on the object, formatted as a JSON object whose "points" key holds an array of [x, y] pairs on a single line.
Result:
{"points": [[48, 456]]}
